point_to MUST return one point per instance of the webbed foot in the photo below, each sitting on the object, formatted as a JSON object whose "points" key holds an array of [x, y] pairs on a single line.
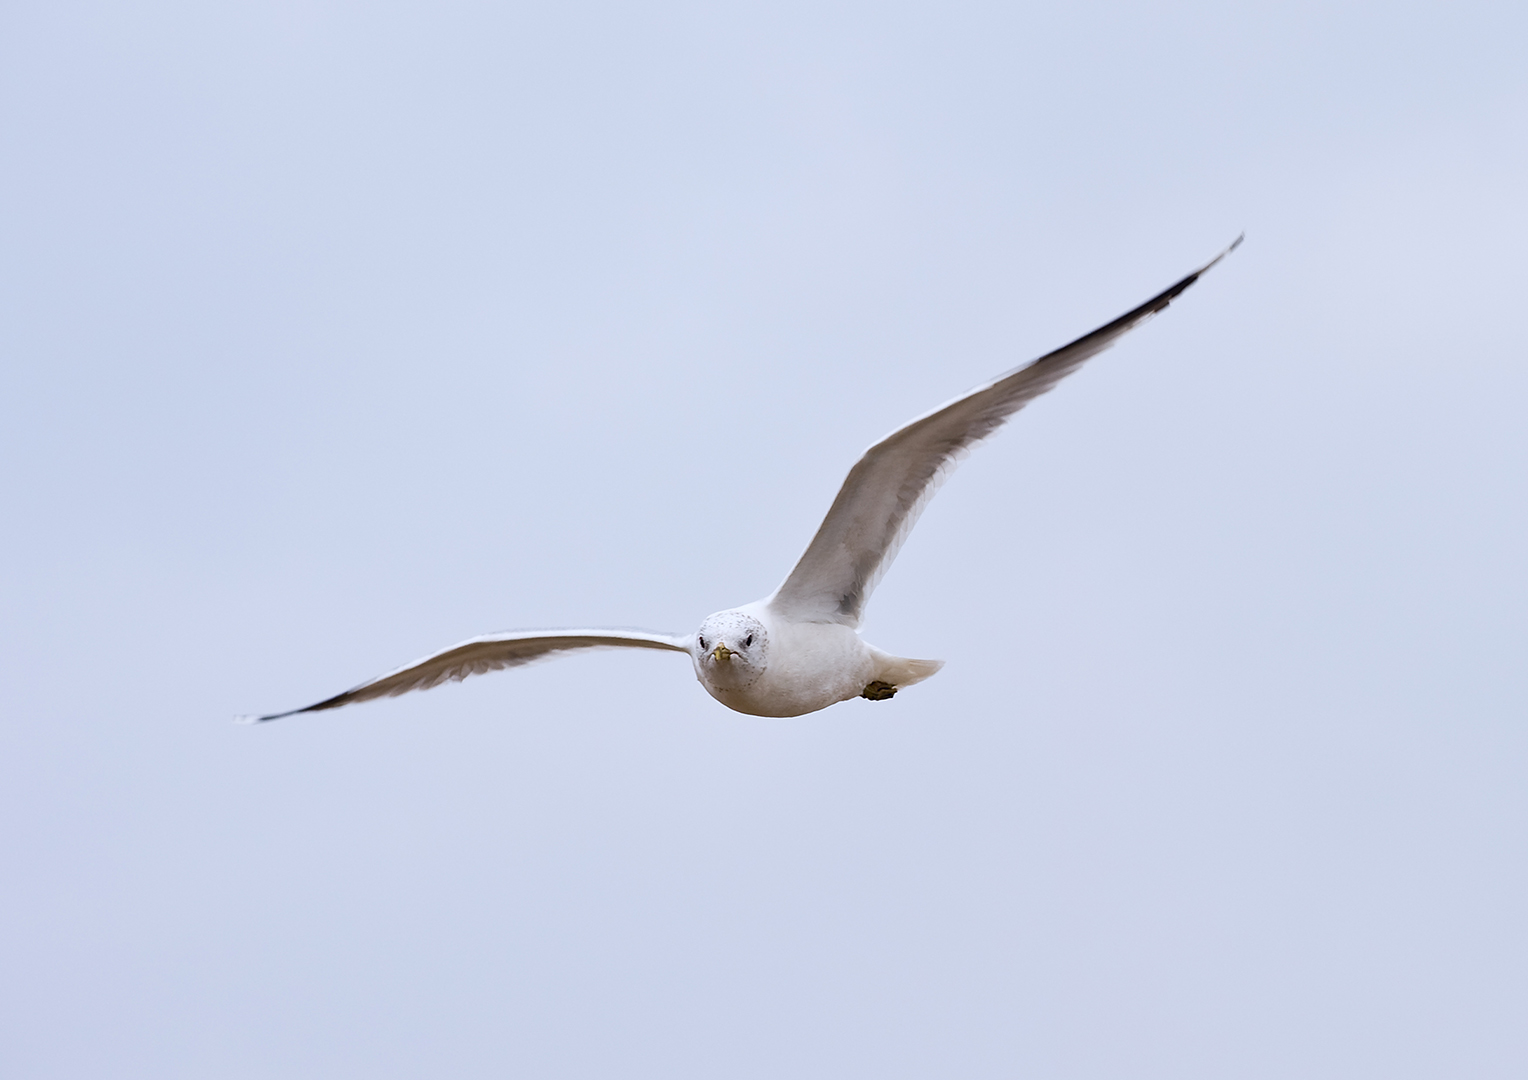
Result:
{"points": [[879, 691]]}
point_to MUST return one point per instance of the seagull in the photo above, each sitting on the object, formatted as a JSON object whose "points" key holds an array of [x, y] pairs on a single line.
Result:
{"points": [[799, 650]]}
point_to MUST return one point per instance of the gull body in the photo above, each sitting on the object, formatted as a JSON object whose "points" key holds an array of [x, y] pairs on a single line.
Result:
{"points": [[798, 650], [754, 661]]}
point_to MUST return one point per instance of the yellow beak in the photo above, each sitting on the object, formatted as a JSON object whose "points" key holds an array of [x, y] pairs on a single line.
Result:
{"points": [[720, 653]]}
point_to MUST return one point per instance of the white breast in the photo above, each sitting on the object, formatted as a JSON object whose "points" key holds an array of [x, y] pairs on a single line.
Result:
{"points": [[810, 666]]}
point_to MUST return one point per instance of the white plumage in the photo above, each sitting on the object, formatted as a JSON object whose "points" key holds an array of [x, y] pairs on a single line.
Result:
{"points": [[799, 650]]}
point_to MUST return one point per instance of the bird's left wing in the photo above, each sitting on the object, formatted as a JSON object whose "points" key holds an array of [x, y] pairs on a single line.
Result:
{"points": [[491, 652], [891, 484]]}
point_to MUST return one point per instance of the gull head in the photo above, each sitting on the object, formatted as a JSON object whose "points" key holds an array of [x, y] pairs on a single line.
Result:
{"points": [[730, 650]]}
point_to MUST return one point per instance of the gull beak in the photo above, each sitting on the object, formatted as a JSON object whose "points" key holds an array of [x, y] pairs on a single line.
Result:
{"points": [[720, 653]]}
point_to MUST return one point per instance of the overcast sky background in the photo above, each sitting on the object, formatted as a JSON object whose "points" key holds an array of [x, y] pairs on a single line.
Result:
{"points": [[334, 333]]}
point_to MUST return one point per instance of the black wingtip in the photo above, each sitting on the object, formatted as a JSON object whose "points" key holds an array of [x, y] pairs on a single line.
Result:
{"points": [[1234, 245], [252, 719], [328, 703], [1157, 303], [247, 721], [1167, 296]]}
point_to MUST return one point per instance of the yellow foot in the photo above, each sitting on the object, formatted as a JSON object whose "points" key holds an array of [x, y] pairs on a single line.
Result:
{"points": [[879, 691]]}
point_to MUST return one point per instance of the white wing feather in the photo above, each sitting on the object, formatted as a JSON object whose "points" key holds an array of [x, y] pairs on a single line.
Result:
{"points": [[890, 485], [491, 652]]}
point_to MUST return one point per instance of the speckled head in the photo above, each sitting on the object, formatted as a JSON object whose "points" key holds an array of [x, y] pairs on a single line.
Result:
{"points": [[731, 649]]}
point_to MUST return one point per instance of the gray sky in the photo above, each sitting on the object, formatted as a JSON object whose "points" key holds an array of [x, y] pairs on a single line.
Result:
{"points": [[335, 333]]}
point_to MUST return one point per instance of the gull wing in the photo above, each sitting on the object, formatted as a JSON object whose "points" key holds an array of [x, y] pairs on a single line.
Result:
{"points": [[891, 484], [491, 652]]}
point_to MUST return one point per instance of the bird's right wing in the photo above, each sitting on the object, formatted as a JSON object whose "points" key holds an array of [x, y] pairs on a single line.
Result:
{"points": [[491, 652], [890, 485]]}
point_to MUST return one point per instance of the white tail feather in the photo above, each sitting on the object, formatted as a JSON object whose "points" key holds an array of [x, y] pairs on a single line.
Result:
{"points": [[902, 672]]}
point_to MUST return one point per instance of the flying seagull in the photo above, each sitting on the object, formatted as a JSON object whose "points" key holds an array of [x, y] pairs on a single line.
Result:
{"points": [[799, 650]]}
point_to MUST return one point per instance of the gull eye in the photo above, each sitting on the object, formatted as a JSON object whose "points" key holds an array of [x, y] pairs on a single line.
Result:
{"points": [[702, 641], [747, 641]]}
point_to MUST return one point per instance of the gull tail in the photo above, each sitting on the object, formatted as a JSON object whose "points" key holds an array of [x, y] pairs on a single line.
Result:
{"points": [[901, 671]]}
